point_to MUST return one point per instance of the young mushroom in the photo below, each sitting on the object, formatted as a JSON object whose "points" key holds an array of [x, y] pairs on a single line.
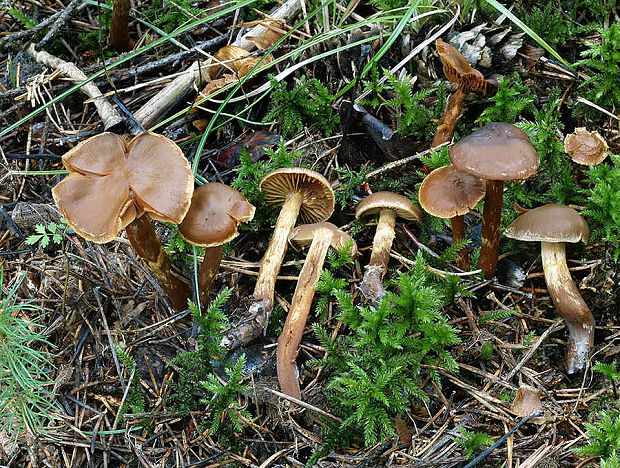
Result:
{"points": [[497, 152], [468, 79], [112, 183], [388, 206], [586, 148], [320, 236], [212, 220], [553, 226], [303, 194], [450, 194]]}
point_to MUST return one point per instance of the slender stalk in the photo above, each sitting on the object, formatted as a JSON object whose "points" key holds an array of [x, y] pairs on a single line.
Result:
{"points": [[298, 313], [144, 240], [454, 109], [119, 26], [570, 305], [208, 272], [458, 235], [372, 285], [491, 219]]}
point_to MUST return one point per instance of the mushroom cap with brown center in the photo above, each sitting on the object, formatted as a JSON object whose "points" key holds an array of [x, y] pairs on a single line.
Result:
{"points": [[302, 236], [447, 192], [317, 195], [111, 182], [214, 215], [526, 401], [549, 223], [498, 151], [378, 201], [458, 70], [584, 147]]}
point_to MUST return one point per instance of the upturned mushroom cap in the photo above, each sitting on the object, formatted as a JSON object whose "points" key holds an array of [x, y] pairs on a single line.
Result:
{"points": [[498, 151], [549, 223], [112, 182], [302, 236], [317, 196], [401, 205], [214, 215], [447, 192], [458, 70], [526, 401], [584, 147]]}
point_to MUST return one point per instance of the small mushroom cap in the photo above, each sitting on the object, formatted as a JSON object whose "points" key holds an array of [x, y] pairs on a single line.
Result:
{"points": [[526, 401], [214, 215], [317, 195], [498, 151], [584, 147], [458, 70], [549, 223], [401, 205], [302, 235], [447, 192]]}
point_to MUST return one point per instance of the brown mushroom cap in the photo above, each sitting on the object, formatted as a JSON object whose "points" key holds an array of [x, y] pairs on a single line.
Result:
{"points": [[112, 182], [447, 192], [584, 147], [526, 401], [498, 151], [302, 236], [401, 205], [549, 223], [214, 215], [458, 70], [317, 196]]}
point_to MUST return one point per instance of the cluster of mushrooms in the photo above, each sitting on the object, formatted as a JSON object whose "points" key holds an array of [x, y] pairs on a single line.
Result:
{"points": [[116, 185]]}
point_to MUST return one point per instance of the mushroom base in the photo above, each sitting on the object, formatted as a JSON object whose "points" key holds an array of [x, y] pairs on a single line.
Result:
{"points": [[251, 327], [570, 305], [372, 285]]}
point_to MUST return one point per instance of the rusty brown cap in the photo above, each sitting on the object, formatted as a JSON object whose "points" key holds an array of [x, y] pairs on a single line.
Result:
{"points": [[378, 201], [584, 147], [549, 223], [214, 215], [447, 192], [458, 70], [302, 236], [526, 401], [112, 182], [498, 151], [317, 195]]}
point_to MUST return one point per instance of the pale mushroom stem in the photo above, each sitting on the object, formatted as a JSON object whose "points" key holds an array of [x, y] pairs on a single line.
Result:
{"points": [[119, 26], [372, 285], [458, 235], [208, 272], [491, 219], [298, 313], [272, 260], [144, 240], [454, 109], [570, 304]]}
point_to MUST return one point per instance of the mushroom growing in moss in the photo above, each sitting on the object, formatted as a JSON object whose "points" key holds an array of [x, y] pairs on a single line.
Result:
{"points": [[586, 148], [112, 184], [554, 225]]}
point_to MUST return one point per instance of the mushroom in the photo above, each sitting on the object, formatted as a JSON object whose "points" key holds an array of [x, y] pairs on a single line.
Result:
{"points": [[320, 236], [212, 220], [388, 206], [449, 193], [112, 183], [302, 193], [497, 152], [584, 147], [468, 79], [119, 26], [553, 225], [527, 400]]}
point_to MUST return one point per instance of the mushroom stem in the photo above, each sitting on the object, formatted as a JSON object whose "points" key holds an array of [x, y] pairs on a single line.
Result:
{"points": [[454, 109], [119, 26], [372, 286], [298, 313], [208, 272], [458, 235], [272, 260], [570, 304], [491, 219], [143, 239]]}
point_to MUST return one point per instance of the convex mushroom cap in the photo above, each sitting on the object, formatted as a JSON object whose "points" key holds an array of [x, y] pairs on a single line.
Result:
{"points": [[302, 236], [214, 215], [584, 147], [111, 182], [317, 196], [549, 223], [399, 204], [447, 192], [498, 151]]}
